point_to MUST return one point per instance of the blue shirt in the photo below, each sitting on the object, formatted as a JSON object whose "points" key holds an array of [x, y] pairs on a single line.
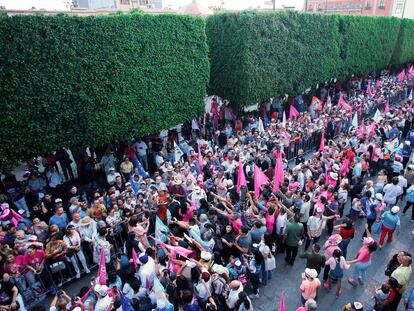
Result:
{"points": [[61, 221], [390, 221]]}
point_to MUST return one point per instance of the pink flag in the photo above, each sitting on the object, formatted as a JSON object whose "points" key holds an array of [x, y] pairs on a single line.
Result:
{"points": [[282, 306], [102, 268], [410, 72], [371, 129], [293, 113], [278, 177], [175, 250], [241, 179], [377, 85], [200, 159], [387, 106], [361, 130], [345, 167], [134, 258], [342, 103], [401, 76], [369, 88], [147, 285], [259, 179], [322, 143]]}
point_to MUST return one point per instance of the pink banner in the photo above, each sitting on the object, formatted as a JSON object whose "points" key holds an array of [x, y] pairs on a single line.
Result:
{"points": [[293, 113], [259, 179], [282, 306], [278, 177], [241, 179], [102, 268]]}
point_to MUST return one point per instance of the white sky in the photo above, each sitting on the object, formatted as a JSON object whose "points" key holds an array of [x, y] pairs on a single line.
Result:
{"points": [[229, 4]]}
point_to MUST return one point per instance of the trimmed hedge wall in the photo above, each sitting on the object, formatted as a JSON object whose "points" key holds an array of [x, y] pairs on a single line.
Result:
{"points": [[69, 81], [368, 43], [258, 55], [404, 50], [254, 55]]}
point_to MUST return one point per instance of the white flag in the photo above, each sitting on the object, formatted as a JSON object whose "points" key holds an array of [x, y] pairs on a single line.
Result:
{"points": [[284, 119], [410, 97], [355, 120], [261, 126], [393, 145], [178, 153], [377, 116]]}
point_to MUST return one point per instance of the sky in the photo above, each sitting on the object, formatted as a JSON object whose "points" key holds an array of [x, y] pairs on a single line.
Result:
{"points": [[230, 4]]}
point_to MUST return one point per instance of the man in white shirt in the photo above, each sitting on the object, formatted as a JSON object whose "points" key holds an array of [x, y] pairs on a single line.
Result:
{"points": [[103, 302], [391, 192], [141, 150], [112, 176]]}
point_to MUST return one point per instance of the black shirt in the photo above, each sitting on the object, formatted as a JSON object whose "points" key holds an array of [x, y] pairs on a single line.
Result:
{"points": [[6, 293]]}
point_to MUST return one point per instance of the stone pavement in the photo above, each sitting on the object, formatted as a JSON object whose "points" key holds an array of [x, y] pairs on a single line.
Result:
{"points": [[288, 278]]}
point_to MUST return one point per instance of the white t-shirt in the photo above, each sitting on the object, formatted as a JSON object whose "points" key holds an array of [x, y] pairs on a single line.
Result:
{"points": [[141, 148], [103, 303], [233, 296], [391, 192], [281, 223]]}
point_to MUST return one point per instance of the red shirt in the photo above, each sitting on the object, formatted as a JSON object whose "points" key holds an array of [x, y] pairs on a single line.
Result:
{"points": [[346, 234]]}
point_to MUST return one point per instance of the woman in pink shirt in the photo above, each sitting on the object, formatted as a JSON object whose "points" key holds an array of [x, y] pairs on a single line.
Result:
{"points": [[363, 260], [330, 246]]}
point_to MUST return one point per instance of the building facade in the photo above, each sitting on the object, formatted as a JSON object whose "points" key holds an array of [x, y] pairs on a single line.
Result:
{"points": [[356, 7], [403, 8]]}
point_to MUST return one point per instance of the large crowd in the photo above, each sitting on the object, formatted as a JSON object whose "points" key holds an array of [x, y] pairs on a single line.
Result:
{"points": [[195, 221]]}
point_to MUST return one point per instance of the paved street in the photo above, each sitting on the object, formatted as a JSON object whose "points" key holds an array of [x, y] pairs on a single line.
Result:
{"points": [[288, 278]]}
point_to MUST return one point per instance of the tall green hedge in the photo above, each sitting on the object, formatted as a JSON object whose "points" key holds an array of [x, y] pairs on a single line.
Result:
{"points": [[404, 50], [255, 56], [69, 81], [367, 43]]}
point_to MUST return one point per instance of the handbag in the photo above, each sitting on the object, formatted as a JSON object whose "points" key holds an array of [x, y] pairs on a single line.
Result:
{"points": [[270, 263], [376, 228], [57, 266]]}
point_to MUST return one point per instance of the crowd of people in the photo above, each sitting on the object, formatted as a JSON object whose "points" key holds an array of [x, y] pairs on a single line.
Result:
{"points": [[196, 222]]}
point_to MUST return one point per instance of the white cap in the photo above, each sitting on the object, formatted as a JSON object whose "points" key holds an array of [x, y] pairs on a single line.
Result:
{"points": [[395, 209]]}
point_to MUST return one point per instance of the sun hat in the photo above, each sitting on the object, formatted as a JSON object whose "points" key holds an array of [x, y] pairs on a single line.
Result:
{"points": [[101, 289], [335, 239], [311, 273], [333, 175], [379, 196], [86, 221], [205, 255], [368, 241]]}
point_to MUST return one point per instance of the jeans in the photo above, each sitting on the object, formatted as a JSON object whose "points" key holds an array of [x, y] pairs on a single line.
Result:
{"points": [[144, 161], [407, 206], [82, 259], [266, 275], [360, 270], [21, 204], [344, 247]]}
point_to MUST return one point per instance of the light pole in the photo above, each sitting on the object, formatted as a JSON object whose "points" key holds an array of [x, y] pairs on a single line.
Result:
{"points": [[274, 5]]}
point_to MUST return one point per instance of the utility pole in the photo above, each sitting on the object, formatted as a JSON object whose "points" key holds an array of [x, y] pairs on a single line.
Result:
{"points": [[274, 5], [405, 2]]}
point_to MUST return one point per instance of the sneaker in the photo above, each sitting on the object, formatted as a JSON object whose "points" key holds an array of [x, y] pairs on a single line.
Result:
{"points": [[338, 293], [87, 271], [412, 232], [326, 286], [360, 281], [352, 282], [78, 275], [254, 296]]}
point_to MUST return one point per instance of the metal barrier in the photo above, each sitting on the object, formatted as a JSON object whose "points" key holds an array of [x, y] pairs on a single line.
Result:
{"points": [[311, 144]]}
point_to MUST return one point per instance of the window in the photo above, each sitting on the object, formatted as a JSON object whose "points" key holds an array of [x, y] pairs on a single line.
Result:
{"points": [[382, 4], [310, 8], [398, 8], [368, 7]]}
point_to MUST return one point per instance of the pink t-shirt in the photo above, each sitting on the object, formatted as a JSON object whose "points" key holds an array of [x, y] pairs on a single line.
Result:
{"points": [[301, 309], [190, 212], [329, 250], [364, 255], [270, 222], [309, 288], [237, 224], [36, 259]]}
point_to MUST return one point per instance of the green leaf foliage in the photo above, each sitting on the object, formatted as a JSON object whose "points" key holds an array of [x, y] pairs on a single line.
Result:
{"points": [[404, 50], [258, 55], [70, 81], [368, 43]]}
